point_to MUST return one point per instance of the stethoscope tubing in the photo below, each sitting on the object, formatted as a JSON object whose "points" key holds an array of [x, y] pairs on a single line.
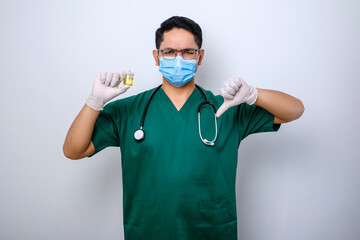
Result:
{"points": [[139, 134]]}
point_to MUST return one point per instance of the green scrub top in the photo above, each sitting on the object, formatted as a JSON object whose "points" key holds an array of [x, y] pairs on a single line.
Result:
{"points": [[175, 186]]}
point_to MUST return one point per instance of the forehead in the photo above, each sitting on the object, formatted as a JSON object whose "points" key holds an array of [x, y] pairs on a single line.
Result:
{"points": [[178, 38]]}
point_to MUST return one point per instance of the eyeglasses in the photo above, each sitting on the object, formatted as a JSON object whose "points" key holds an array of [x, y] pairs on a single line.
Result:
{"points": [[170, 54]]}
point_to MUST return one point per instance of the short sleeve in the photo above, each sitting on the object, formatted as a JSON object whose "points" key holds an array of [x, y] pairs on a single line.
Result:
{"points": [[105, 132], [254, 119]]}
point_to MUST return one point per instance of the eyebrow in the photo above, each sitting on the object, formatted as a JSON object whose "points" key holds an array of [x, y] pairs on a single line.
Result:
{"points": [[179, 49]]}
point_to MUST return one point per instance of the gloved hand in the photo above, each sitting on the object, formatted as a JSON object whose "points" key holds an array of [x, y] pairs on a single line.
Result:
{"points": [[105, 88], [236, 91]]}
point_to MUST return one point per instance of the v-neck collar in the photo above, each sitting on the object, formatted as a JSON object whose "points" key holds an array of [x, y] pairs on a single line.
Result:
{"points": [[186, 105]]}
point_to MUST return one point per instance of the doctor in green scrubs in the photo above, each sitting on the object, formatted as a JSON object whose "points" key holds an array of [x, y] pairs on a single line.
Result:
{"points": [[175, 185]]}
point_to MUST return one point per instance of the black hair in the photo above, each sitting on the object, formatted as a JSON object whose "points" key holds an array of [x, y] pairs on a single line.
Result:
{"points": [[178, 22]]}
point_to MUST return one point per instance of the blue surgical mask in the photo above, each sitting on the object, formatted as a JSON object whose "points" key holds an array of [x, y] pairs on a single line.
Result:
{"points": [[177, 71]]}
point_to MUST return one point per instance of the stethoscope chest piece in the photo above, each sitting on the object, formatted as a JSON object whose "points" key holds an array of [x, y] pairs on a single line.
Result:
{"points": [[139, 135]]}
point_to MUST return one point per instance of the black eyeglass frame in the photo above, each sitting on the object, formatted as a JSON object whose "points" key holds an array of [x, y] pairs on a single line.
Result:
{"points": [[197, 51]]}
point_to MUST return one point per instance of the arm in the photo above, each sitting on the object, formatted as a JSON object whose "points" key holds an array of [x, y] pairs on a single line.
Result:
{"points": [[78, 142], [284, 107], [78, 139]]}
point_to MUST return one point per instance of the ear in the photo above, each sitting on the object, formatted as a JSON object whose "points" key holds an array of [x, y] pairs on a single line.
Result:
{"points": [[156, 58], [202, 52]]}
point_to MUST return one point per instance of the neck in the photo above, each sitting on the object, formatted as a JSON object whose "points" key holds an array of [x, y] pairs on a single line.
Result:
{"points": [[178, 95], [178, 92]]}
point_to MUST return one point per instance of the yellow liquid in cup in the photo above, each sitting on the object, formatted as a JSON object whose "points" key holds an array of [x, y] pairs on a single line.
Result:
{"points": [[128, 81]]}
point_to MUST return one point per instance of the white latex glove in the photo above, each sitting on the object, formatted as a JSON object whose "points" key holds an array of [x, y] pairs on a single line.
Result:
{"points": [[105, 88], [236, 91]]}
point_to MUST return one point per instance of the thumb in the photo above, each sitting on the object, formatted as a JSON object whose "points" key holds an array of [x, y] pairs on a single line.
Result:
{"points": [[222, 109], [122, 89]]}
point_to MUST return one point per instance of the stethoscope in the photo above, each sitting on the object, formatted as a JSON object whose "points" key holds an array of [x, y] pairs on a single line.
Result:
{"points": [[139, 134]]}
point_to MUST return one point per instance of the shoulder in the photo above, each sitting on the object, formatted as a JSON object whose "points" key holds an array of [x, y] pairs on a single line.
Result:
{"points": [[137, 99], [127, 105], [217, 100]]}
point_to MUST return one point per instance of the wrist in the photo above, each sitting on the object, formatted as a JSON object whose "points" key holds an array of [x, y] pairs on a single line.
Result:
{"points": [[253, 95], [96, 103]]}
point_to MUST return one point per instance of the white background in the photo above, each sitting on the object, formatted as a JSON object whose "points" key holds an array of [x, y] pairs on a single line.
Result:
{"points": [[300, 183]]}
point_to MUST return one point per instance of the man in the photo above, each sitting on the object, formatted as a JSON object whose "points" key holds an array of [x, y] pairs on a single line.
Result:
{"points": [[176, 183]]}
